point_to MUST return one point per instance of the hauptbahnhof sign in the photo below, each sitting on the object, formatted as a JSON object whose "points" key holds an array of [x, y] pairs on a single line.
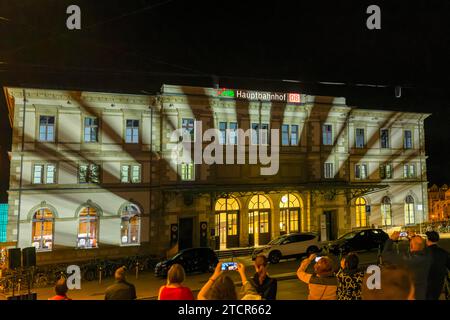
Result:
{"points": [[259, 95]]}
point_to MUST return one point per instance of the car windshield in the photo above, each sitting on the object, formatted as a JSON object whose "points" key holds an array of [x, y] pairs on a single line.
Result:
{"points": [[348, 236], [277, 240]]}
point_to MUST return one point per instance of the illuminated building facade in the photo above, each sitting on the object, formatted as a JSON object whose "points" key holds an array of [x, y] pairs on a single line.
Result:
{"points": [[96, 171], [439, 202]]}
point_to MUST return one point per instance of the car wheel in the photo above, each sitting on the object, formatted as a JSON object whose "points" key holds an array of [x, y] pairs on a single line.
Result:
{"points": [[311, 250], [274, 257]]}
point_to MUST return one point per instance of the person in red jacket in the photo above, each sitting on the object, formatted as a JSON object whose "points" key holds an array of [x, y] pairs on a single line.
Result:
{"points": [[174, 290], [61, 290]]}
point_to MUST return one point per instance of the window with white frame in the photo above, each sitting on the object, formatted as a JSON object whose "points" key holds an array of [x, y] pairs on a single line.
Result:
{"points": [[407, 139], [359, 140], [44, 174], [132, 131], [384, 139], [409, 171], [90, 129], [130, 173], [329, 170], [409, 210], [361, 171], [89, 173], [187, 171], [47, 128], [327, 135], [386, 211]]}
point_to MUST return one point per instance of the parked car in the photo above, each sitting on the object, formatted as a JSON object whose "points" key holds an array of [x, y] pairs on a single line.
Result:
{"points": [[192, 260], [358, 240], [289, 246]]}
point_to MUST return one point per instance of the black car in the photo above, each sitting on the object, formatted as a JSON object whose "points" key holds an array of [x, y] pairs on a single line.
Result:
{"points": [[192, 260], [358, 240]]}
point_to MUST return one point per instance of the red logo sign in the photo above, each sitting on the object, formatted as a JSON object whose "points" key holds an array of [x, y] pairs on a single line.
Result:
{"points": [[294, 97]]}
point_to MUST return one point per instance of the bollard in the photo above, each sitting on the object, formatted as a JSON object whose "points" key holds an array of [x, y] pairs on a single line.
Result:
{"points": [[137, 270], [100, 275]]}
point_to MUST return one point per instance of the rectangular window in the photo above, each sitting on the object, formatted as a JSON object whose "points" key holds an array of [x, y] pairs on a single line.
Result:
{"points": [[407, 143], [46, 128], [223, 132], [38, 174], [90, 129], [50, 174], [89, 173], [188, 127], [232, 224], [132, 131], [359, 138], [294, 135], [44, 174], [255, 133], [361, 171], [264, 133], [187, 172], [384, 138], [233, 133], [329, 170], [409, 171], [327, 134], [260, 133], [285, 135], [130, 173], [386, 171]]}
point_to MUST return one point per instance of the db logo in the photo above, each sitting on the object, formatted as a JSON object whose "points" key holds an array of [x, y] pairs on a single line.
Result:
{"points": [[294, 97]]}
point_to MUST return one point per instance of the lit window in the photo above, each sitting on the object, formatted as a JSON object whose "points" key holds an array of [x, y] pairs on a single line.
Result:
{"points": [[42, 230], [384, 133], [407, 143], [359, 138], [329, 170], [285, 135], [289, 213], [87, 228], [132, 131], [130, 173], [386, 171], [233, 133], [386, 211], [327, 134], [361, 218], [187, 172], [130, 225], [361, 171], [89, 173], [409, 171], [90, 129], [44, 174], [223, 132], [47, 128], [289, 135], [409, 210], [294, 135]]}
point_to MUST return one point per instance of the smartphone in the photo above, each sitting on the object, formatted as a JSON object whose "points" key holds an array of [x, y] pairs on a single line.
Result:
{"points": [[229, 266], [403, 234], [317, 259]]}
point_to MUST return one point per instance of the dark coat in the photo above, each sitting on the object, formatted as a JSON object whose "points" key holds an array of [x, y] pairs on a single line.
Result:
{"points": [[417, 262], [268, 289], [440, 264], [121, 290]]}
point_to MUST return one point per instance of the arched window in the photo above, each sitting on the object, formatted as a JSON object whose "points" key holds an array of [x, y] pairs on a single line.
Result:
{"points": [[227, 223], [42, 230], [386, 212], [409, 210], [87, 228], [361, 217], [130, 227], [289, 213], [259, 220]]}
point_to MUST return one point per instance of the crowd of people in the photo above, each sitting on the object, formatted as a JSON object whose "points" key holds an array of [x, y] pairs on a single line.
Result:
{"points": [[418, 274]]}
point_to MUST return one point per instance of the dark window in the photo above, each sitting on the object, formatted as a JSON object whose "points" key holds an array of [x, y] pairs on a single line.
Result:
{"points": [[384, 138], [327, 134], [360, 138], [90, 129], [407, 143]]}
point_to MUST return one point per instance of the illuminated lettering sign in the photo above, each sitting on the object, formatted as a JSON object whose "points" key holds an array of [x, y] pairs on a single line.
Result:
{"points": [[259, 95]]}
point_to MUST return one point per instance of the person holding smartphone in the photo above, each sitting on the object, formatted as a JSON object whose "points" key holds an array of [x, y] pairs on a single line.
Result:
{"points": [[323, 283]]}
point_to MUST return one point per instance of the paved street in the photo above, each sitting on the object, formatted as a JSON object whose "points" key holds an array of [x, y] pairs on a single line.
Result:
{"points": [[147, 285]]}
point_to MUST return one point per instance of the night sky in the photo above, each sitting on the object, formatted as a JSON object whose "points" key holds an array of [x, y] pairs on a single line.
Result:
{"points": [[135, 46]]}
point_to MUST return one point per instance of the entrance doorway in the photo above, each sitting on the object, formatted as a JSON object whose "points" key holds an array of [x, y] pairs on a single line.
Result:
{"points": [[227, 223], [258, 220], [185, 233], [329, 225]]}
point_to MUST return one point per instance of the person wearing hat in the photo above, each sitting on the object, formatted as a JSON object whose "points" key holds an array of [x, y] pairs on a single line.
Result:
{"points": [[121, 289], [440, 265]]}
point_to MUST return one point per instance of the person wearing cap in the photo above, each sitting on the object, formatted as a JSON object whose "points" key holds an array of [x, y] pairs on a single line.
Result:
{"points": [[121, 289], [418, 261], [440, 265]]}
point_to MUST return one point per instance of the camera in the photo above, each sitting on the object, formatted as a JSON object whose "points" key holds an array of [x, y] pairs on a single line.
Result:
{"points": [[403, 234], [229, 266]]}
